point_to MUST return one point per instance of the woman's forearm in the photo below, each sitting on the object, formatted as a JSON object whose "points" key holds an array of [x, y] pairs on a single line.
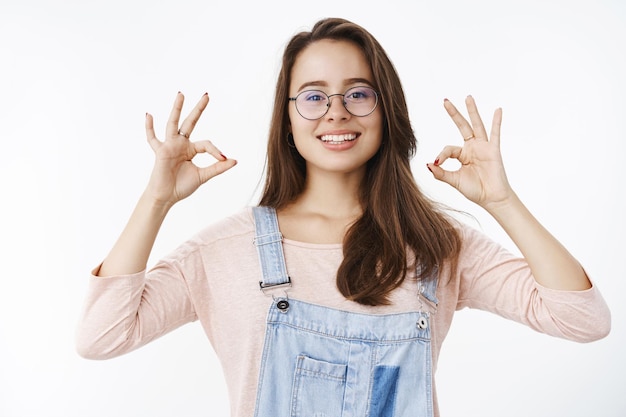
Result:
{"points": [[130, 253], [551, 263]]}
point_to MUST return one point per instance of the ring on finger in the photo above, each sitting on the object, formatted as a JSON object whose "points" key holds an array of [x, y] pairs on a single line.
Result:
{"points": [[180, 132], [469, 137]]}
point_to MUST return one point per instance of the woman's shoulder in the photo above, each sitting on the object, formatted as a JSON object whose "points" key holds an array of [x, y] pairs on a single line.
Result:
{"points": [[478, 247], [222, 235], [471, 235], [238, 224]]}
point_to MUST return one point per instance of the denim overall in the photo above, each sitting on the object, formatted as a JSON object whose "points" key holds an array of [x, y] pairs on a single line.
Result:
{"points": [[323, 362]]}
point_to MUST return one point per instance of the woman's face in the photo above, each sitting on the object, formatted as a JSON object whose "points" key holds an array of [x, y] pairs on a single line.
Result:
{"points": [[338, 141]]}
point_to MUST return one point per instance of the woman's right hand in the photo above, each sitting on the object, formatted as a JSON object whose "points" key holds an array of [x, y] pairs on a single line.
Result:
{"points": [[175, 176]]}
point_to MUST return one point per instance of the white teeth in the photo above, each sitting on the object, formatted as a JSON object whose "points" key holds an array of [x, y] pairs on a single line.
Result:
{"points": [[336, 139]]}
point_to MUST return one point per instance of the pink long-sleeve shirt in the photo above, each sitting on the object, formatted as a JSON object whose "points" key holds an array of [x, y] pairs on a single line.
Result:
{"points": [[214, 278]]}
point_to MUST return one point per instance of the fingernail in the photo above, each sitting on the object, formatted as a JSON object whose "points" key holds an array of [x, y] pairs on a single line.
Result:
{"points": [[206, 94], [223, 156], [445, 99], [437, 161], [427, 166]]}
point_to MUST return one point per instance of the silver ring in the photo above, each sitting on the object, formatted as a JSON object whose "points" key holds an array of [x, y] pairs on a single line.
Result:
{"points": [[469, 137], [183, 134]]}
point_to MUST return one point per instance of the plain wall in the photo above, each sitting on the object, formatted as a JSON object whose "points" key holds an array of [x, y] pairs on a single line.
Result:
{"points": [[77, 78]]}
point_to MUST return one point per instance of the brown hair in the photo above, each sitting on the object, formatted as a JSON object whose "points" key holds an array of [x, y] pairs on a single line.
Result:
{"points": [[398, 219]]}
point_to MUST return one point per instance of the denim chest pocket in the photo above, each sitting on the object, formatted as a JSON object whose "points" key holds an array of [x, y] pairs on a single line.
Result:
{"points": [[318, 388]]}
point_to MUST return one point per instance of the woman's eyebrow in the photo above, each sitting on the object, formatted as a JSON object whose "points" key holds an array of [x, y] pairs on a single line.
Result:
{"points": [[350, 81], [313, 84], [346, 82]]}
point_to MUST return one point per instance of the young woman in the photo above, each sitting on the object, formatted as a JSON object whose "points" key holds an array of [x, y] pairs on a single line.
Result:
{"points": [[333, 296]]}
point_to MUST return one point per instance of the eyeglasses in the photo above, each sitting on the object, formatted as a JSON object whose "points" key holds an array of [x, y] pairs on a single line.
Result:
{"points": [[314, 104]]}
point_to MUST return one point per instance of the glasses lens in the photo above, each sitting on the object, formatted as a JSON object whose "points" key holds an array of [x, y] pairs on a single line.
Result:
{"points": [[360, 101], [312, 104]]}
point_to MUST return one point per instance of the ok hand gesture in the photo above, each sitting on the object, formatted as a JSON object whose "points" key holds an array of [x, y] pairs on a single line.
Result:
{"points": [[175, 176], [481, 178]]}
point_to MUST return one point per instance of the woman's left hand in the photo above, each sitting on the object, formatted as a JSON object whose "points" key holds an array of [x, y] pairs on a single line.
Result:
{"points": [[481, 178]]}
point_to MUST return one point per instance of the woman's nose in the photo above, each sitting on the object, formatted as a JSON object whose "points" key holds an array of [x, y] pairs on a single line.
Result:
{"points": [[336, 108]]}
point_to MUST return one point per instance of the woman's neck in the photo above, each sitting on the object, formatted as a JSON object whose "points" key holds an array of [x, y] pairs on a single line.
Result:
{"points": [[323, 212]]}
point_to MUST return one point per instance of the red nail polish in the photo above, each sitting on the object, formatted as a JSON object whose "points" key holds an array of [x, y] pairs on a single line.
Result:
{"points": [[437, 161], [223, 156], [429, 168]]}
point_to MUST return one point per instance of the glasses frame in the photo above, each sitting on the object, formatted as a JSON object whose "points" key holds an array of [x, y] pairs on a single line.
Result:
{"points": [[329, 97]]}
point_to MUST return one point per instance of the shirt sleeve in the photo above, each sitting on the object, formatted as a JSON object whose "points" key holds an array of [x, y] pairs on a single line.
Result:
{"points": [[493, 279], [122, 313]]}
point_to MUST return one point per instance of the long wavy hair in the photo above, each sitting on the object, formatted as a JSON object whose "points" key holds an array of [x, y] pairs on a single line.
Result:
{"points": [[398, 220]]}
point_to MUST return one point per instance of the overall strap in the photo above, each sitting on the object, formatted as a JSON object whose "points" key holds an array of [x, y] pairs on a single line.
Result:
{"points": [[428, 285], [269, 243]]}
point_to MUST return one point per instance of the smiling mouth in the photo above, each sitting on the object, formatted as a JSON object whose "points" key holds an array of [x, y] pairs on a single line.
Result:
{"points": [[338, 139]]}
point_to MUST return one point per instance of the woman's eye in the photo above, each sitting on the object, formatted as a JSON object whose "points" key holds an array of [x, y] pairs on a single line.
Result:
{"points": [[360, 94], [315, 97]]}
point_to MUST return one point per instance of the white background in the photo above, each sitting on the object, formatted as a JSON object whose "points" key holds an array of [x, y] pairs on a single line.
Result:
{"points": [[76, 78]]}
